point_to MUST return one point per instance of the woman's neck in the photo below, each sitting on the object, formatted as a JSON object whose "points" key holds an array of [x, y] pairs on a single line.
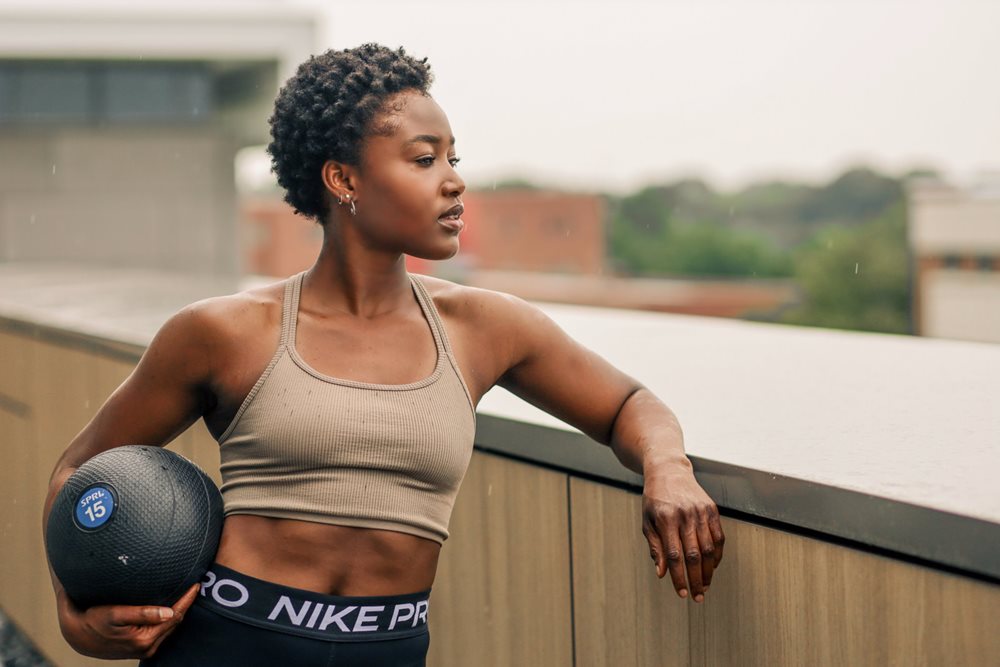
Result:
{"points": [[358, 281]]}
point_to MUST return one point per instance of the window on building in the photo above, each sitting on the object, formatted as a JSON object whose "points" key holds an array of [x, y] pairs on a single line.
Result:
{"points": [[984, 263], [156, 93], [88, 92], [952, 261], [47, 92]]}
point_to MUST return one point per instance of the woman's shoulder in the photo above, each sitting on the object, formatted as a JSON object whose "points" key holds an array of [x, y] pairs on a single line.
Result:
{"points": [[476, 305], [229, 317]]}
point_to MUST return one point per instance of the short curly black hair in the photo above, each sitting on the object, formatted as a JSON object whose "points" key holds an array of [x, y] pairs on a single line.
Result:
{"points": [[326, 110]]}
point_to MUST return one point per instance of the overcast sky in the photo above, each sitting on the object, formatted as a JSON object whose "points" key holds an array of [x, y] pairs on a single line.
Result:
{"points": [[608, 96]]}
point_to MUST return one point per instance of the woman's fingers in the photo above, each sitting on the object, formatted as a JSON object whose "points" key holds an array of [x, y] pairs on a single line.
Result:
{"points": [[655, 547], [707, 545], [121, 631], [129, 615], [665, 550], [718, 537], [693, 560], [136, 630], [675, 561], [184, 603], [119, 617]]}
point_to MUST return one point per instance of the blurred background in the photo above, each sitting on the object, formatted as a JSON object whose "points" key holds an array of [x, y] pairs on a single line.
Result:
{"points": [[818, 163], [832, 164]]}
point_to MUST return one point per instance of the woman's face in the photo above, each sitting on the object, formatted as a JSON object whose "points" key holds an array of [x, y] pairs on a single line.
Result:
{"points": [[407, 184]]}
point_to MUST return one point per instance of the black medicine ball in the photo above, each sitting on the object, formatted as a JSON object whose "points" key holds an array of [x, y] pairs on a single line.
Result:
{"points": [[133, 525]]}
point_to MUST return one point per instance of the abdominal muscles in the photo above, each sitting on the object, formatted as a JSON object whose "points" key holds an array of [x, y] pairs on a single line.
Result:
{"points": [[329, 559]]}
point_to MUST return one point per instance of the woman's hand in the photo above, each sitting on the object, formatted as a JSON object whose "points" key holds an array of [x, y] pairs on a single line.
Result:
{"points": [[115, 632], [682, 526]]}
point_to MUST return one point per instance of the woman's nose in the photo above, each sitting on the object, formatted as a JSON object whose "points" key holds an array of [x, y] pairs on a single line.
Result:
{"points": [[454, 186]]}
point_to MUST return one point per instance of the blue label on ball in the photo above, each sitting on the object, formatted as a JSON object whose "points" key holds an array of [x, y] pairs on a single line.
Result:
{"points": [[95, 506]]}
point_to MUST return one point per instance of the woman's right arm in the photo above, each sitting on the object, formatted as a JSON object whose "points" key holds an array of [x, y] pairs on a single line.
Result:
{"points": [[170, 388]]}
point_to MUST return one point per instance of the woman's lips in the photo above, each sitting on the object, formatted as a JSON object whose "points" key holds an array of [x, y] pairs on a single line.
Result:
{"points": [[453, 224]]}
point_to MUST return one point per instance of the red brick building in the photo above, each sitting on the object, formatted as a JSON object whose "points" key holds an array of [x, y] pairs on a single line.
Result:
{"points": [[534, 230], [275, 241]]}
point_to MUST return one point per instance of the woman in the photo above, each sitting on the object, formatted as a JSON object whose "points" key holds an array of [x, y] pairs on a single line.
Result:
{"points": [[343, 400]]}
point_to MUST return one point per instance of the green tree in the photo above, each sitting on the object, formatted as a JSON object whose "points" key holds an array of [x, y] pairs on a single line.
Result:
{"points": [[646, 213], [646, 238], [637, 230], [709, 249], [857, 195], [705, 250], [856, 278]]}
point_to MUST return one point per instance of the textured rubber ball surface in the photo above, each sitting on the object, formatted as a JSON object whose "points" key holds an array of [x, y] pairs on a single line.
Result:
{"points": [[133, 525]]}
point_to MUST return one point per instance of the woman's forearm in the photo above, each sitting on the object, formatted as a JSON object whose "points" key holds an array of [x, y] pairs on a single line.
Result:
{"points": [[647, 438], [680, 521]]}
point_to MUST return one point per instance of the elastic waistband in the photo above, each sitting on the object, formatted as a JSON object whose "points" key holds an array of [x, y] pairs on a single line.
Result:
{"points": [[308, 614]]}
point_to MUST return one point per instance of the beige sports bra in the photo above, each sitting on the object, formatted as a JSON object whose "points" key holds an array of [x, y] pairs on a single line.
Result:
{"points": [[307, 446]]}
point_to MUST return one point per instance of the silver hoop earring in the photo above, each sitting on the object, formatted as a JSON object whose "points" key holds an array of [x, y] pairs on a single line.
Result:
{"points": [[354, 209]]}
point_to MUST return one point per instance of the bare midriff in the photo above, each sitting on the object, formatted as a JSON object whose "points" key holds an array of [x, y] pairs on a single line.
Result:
{"points": [[329, 559]]}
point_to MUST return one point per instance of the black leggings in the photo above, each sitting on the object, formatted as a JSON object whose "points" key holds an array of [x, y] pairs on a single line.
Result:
{"points": [[239, 620]]}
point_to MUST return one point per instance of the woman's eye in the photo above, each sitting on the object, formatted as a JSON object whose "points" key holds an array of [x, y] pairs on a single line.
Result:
{"points": [[429, 160]]}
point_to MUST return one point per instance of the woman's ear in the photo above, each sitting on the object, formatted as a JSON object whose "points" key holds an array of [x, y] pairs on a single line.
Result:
{"points": [[337, 179]]}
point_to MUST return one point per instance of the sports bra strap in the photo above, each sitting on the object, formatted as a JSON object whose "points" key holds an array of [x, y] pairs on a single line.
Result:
{"points": [[429, 310], [290, 310]]}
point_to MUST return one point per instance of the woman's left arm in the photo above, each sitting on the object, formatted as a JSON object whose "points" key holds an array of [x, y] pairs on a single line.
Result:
{"points": [[680, 522], [552, 371]]}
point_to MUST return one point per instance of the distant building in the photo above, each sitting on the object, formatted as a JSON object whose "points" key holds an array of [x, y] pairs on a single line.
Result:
{"points": [[955, 239], [535, 230], [276, 241], [119, 125]]}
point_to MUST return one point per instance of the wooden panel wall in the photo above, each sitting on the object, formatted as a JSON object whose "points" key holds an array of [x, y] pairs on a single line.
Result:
{"points": [[786, 599], [18, 530], [58, 390], [624, 614], [541, 568], [502, 593], [777, 599]]}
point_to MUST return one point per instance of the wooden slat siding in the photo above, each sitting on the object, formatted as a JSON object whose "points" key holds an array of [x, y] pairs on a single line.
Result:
{"points": [[624, 615], [16, 477], [67, 387], [60, 406], [502, 593], [17, 524], [784, 599], [15, 374]]}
